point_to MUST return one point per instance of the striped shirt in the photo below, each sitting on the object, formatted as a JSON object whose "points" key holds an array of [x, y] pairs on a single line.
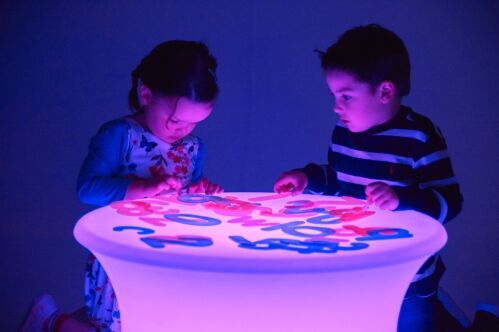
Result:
{"points": [[408, 153]]}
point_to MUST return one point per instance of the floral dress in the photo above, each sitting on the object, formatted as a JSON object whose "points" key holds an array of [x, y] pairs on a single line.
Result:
{"points": [[142, 155]]}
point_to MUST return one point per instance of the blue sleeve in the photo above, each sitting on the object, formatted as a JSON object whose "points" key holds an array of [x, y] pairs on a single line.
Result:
{"points": [[197, 174], [98, 182]]}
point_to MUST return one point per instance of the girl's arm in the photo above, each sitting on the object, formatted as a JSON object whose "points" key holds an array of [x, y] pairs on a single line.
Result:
{"points": [[98, 181], [197, 174], [198, 183]]}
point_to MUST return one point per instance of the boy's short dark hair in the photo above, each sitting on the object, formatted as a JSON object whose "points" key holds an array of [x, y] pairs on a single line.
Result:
{"points": [[373, 54]]}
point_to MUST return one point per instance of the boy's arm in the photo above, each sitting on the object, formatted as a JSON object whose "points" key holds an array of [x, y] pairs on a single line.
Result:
{"points": [[322, 178], [97, 181], [437, 192]]}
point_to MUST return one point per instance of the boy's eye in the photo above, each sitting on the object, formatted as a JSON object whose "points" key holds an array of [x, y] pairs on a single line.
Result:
{"points": [[346, 98]]}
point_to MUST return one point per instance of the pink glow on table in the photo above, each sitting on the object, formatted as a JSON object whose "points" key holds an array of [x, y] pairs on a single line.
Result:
{"points": [[258, 261]]}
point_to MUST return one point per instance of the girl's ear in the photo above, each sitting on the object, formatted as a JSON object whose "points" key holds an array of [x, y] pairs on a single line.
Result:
{"points": [[387, 92], [145, 95]]}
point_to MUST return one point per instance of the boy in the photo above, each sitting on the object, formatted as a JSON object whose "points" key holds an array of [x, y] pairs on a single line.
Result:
{"points": [[384, 152]]}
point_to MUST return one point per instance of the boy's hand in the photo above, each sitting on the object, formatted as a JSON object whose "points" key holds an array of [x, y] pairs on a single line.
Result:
{"points": [[382, 195], [139, 188], [292, 181], [204, 187]]}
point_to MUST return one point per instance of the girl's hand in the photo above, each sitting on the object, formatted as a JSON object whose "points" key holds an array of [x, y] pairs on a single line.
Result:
{"points": [[204, 186], [382, 195], [147, 188], [292, 181]]}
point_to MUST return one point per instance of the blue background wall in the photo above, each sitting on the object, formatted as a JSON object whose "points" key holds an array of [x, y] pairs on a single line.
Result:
{"points": [[65, 69]]}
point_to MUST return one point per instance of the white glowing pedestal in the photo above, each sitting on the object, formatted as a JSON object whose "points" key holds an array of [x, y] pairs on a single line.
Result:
{"points": [[258, 261]]}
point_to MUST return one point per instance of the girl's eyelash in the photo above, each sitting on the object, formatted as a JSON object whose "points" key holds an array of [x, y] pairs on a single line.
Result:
{"points": [[344, 97]]}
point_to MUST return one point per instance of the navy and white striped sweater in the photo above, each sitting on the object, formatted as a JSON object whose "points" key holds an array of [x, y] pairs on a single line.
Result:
{"points": [[408, 153]]}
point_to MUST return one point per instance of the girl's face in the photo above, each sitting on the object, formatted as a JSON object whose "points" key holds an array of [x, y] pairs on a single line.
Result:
{"points": [[357, 105], [171, 118]]}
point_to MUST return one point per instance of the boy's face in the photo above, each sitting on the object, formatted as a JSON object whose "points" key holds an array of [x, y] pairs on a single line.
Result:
{"points": [[357, 104]]}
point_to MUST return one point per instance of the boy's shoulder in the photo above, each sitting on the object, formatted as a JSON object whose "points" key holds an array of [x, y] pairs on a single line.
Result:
{"points": [[418, 122]]}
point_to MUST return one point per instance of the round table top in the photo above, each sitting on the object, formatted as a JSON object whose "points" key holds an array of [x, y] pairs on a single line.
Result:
{"points": [[258, 232]]}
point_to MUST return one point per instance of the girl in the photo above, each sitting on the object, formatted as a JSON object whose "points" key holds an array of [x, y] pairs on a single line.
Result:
{"points": [[152, 151]]}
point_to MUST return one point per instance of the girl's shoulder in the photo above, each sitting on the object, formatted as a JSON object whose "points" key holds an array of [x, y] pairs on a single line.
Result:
{"points": [[116, 126], [190, 144], [193, 143], [192, 139], [125, 126], [111, 133]]}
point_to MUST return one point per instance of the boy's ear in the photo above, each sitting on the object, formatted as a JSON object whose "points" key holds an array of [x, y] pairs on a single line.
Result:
{"points": [[145, 95], [387, 91]]}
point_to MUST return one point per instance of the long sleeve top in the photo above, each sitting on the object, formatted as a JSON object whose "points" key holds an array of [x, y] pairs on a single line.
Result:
{"points": [[122, 150], [408, 153]]}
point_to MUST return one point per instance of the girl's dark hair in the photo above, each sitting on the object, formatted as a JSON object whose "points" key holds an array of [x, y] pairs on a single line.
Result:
{"points": [[373, 54], [176, 68]]}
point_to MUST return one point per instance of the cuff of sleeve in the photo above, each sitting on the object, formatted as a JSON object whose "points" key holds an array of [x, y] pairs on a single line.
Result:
{"points": [[424, 201], [406, 199], [315, 176], [100, 194]]}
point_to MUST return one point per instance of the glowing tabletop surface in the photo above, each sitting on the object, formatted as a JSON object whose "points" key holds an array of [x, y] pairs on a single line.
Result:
{"points": [[258, 261]]}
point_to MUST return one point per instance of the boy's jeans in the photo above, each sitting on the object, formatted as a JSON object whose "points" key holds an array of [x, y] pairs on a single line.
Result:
{"points": [[426, 314]]}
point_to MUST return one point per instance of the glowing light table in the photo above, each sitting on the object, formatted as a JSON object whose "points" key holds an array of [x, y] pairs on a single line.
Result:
{"points": [[258, 261]]}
